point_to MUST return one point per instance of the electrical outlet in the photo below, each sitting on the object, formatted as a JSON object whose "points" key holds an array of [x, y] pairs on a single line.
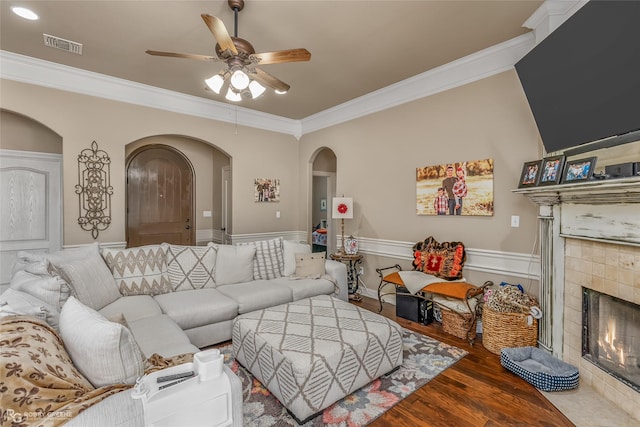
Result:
{"points": [[361, 271], [515, 221]]}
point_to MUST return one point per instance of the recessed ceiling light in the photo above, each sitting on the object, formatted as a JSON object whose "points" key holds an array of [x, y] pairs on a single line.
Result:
{"points": [[25, 13]]}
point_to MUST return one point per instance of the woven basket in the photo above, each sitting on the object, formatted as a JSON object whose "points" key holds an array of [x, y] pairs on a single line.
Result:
{"points": [[457, 324], [501, 330]]}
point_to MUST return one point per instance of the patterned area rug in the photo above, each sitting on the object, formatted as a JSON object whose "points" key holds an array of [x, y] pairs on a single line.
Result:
{"points": [[424, 358]]}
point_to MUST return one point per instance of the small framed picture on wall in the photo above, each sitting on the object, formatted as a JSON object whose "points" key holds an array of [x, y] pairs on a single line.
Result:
{"points": [[551, 170], [530, 174], [579, 170]]}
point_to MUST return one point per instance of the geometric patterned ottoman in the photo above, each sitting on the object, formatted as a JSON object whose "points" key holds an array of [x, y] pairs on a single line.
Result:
{"points": [[313, 352]]}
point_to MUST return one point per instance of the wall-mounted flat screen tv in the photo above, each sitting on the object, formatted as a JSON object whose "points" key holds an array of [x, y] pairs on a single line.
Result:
{"points": [[583, 81]]}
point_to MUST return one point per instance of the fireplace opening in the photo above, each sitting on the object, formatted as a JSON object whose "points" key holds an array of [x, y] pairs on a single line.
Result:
{"points": [[611, 336]]}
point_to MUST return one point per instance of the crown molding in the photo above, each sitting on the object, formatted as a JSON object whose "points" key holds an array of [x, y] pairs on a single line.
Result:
{"points": [[38, 72], [477, 66], [471, 68], [550, 15], [474, 67]]}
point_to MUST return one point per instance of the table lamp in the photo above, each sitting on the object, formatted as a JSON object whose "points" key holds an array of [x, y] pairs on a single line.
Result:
{"points": [[342, 209]]}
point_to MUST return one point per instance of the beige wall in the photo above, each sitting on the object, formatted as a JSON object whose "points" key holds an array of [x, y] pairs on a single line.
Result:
{"points": [[377, 157], [81, 119], [18, 132], [376, 160]]}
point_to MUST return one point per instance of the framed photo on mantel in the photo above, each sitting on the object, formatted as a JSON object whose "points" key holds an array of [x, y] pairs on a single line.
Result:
{"points": [[530, 174], [551, 170], [579, 170]]}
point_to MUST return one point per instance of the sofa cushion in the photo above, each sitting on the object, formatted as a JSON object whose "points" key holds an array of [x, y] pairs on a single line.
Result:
{"points": [[133, 307], [52, 290], [306, 288], [14, 302], [234, 264], [257, 294], [105, 352], [310, 265], [40, 384], [91, 280], [160, 335], [197, 307], [139, 271], [36, 281], [268, 262], [191, 267], [289, 251], [58, 257]]}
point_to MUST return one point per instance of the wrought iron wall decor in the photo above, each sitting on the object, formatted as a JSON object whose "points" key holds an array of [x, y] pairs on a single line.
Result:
{"points": [[94, 190]]}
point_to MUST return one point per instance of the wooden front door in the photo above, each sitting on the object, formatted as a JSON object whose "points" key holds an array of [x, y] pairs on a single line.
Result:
{"points": [[159, 197]]}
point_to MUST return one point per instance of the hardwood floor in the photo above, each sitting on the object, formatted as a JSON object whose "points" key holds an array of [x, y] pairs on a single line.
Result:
{"points": [[476, 391]]}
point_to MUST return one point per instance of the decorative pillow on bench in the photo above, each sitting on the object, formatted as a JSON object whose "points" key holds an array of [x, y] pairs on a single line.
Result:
{"points": [[444, 260]]}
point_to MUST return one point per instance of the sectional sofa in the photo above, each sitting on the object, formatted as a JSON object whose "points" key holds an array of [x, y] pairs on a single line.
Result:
{"points": [[115, 308]]}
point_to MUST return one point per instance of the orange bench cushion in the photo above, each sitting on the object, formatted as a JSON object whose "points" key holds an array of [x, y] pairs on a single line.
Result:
{"points": [[456, 290], [394, 278], [450, 289]]}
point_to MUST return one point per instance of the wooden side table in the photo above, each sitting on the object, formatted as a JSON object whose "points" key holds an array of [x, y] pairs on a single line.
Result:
{"points": [[352, 261]]}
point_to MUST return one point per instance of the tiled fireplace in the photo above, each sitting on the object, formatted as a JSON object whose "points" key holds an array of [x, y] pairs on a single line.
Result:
{"points": [[610, 269], [589, 239]]}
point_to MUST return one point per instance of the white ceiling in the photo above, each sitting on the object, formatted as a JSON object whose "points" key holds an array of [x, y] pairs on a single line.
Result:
{"points": [[356, 47]]}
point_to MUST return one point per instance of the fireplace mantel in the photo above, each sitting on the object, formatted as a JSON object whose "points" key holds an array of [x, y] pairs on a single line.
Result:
{"points": [[607, 210], [598, 192]]}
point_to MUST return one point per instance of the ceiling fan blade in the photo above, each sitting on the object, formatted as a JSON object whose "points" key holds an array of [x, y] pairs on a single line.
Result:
{"points": [[183, 55], [268, 80], [276, 57], [219, 31]]}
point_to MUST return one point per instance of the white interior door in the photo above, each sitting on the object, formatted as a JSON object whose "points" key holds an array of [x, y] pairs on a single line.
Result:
{"points": [[31, 209]]}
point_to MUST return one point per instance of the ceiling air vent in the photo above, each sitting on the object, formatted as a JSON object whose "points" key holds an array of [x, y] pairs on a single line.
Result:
{"points": [[62, 44]]}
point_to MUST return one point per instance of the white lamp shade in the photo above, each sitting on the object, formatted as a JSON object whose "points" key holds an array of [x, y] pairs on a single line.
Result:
{"points": [[215, 83], [256, 89], [342, 208], [239, 80], [233, 96]]}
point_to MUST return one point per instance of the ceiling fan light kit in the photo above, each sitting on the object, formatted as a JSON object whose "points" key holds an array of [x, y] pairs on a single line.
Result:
{"points": [[215, 83], [244, 79]]}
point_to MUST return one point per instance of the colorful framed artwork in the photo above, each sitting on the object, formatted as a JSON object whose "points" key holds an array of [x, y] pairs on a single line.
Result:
{"points": [[266, 190], [551, 170], [460, 188], [579, 170], [530, 174]]}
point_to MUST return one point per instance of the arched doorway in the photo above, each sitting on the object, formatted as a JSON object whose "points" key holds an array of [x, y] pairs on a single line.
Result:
{"points": [[323, 189], [160, 188]]}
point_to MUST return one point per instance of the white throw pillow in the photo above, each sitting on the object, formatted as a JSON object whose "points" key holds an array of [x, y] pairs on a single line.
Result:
{"points": [[91, 281], [139, 271], [289, 250], [60, 256], [52, 290], [14, 302], [104, 352], [234, 264], [191, 267], [310, 265], [269, 261]]}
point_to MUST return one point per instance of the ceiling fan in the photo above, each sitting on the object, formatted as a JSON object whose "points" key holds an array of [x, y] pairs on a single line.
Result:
{"points": [[245, 79]]}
